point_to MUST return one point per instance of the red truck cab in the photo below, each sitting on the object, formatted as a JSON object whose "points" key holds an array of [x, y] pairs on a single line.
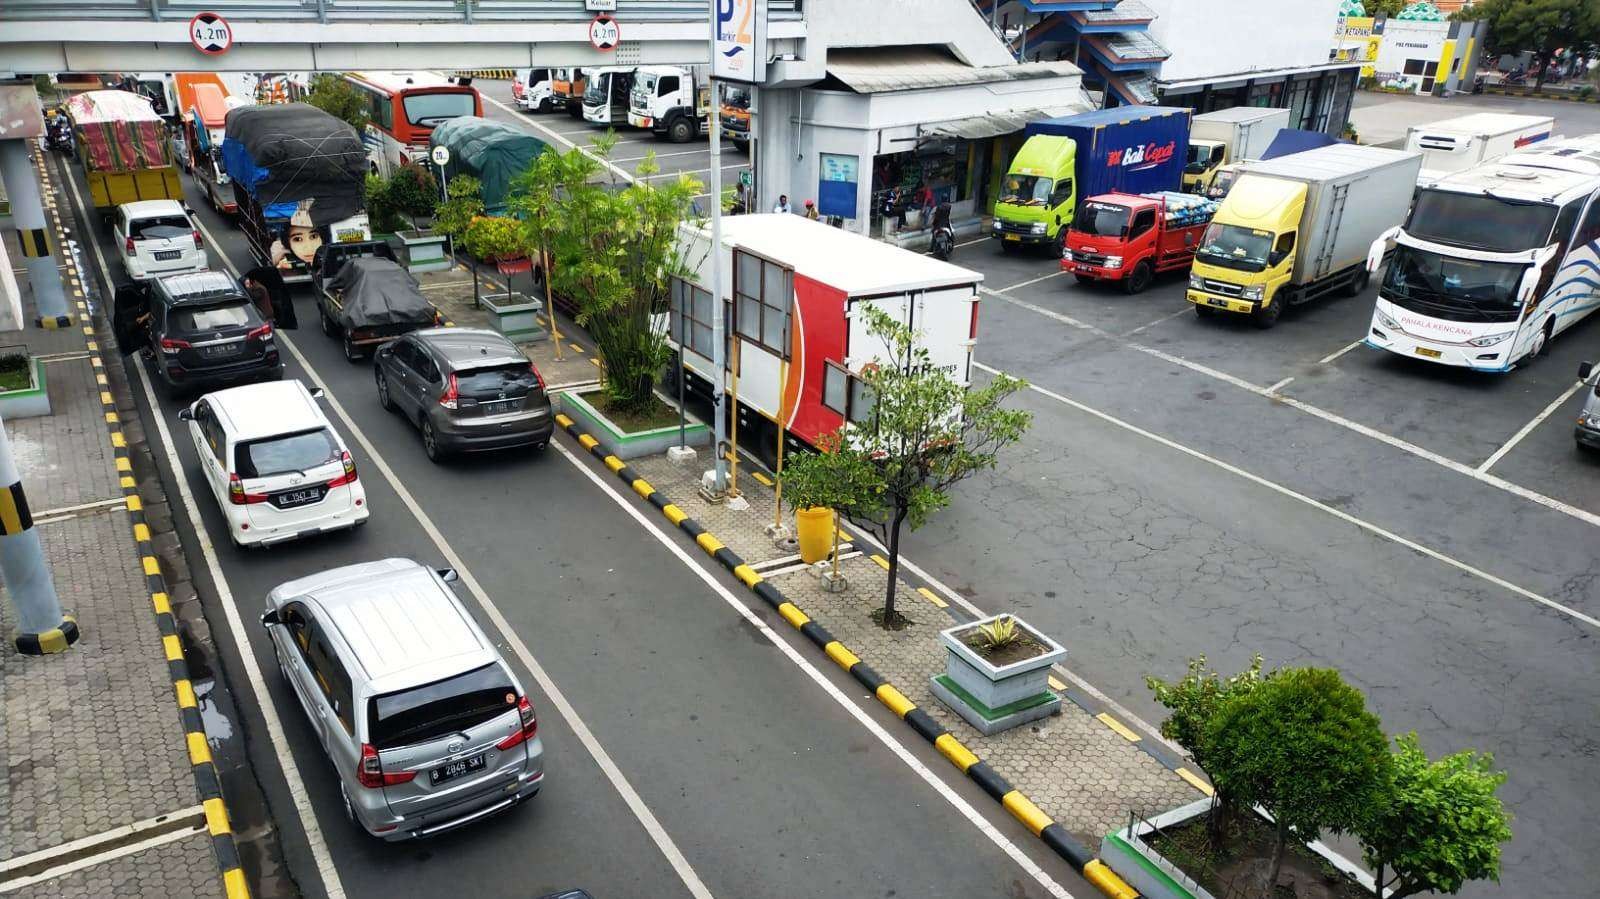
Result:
{"points": [[1130, 238]]}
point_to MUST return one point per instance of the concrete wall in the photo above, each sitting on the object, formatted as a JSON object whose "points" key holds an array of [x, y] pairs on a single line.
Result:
{"points": [[954, 24], [1454, 48], [1259, 34]]}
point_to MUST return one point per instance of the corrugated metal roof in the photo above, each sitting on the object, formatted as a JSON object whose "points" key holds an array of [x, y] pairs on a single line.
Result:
{"points": [[1126, 11], [1134, 45], [997, 123], [880, 69]]}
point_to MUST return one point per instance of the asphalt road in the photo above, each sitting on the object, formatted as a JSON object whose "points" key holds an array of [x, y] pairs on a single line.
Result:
{"points": [[764, 782], [1202, 487]]}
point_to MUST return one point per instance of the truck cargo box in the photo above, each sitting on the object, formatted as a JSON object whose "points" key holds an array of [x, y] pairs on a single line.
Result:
{"points": [[1131, 149]]}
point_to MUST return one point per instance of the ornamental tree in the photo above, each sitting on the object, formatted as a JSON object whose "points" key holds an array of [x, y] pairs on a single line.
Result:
{"points": [[1193, 702], [334, 95], [1538, 26]]}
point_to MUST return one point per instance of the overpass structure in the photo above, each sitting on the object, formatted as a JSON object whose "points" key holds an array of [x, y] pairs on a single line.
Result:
{"points": [[52, 36]]}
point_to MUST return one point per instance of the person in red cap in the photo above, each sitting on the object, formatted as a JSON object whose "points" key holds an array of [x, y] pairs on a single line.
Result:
{"points": [[811, 210]]}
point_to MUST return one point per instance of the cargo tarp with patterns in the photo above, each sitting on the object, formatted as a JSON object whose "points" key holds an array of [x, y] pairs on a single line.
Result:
{"points": [[374, 292], [493, 152], [293, 155], [118, 132]]}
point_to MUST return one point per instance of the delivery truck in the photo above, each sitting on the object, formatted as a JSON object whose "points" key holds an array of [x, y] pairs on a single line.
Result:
{"points": [[203, 122], [1133, 149], [1228, 135], [672, 101], [1458, 144], [1128, 239], [1295, 228], [123, 149], [797, 339], [735, 115]]}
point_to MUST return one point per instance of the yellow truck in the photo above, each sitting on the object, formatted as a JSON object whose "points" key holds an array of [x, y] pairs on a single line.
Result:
{"points": [[123, 148]]}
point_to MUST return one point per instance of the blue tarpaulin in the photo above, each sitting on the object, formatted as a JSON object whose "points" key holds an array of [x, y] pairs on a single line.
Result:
{"points": [[1293, 140]]}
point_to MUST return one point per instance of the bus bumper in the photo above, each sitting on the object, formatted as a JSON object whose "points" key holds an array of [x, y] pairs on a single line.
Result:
{"points": [[1491, 359]]}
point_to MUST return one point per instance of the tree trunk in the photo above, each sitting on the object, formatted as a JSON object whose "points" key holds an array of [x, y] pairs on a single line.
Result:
{"points": [[1377, 881], [1278, 846], [889, 614]]}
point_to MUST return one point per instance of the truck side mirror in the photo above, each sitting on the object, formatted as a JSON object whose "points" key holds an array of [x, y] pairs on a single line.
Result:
{"points": [[1378, 248], [270, 617], [1276, 257]]}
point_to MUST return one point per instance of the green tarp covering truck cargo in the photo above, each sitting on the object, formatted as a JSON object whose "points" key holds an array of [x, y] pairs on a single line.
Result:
{"points": [[492, 152]]}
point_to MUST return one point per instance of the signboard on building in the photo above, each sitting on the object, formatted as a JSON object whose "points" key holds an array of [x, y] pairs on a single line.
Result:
{"points": [[740, 53], [600, 5], [837, 174]]}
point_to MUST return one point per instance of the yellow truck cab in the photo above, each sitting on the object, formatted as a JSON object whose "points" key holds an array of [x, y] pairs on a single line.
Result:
{"points": [[1247, 252], [1222, 136], [1037, 198]]}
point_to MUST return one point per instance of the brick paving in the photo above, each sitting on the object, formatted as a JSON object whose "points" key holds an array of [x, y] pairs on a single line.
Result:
{"points": [[170, 871], [451, 293]]}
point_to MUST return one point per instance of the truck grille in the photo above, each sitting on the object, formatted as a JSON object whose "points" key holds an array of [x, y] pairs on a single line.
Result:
{"points": [[1223, 288], [1016, 228], [1088, 258]]}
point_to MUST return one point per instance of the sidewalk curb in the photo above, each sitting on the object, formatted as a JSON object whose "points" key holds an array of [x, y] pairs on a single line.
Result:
{"points": [[207, 781], [999, 789], [1532, 95]]}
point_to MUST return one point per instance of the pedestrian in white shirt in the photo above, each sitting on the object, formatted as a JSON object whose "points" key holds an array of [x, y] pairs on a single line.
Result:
{"points": [[782, 205]]}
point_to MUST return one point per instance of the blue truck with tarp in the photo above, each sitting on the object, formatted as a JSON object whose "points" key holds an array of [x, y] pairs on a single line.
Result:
{"points": [[1128, 149]]}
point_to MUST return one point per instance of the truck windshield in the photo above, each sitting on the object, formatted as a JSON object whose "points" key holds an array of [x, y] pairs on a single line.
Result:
{"points": [[1200, 156], [1231, 246], [1101, 219], [644, 87], [1026, 190], [1480, 221], [1452, 288], [736, 97]]}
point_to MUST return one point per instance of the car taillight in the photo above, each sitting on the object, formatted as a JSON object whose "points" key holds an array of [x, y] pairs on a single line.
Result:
{"points": [[264, 332], [529, 729], [536, 376], [197, 244], [349, 476], [238, 497], [370, 772], [451, 395], [129, 246], [171, 346]]}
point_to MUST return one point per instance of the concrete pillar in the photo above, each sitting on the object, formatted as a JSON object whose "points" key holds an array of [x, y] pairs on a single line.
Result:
{"points": [[43, 628], [38, 252]]}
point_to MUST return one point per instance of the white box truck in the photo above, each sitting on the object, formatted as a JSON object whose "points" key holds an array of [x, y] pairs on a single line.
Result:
{"points": [[1458, 144], [1297, 227], [672, 101], [1228, 135]]}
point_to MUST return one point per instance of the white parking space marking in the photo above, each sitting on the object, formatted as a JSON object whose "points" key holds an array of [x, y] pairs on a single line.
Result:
{"points": [[1334, 355], [691, 172], [619, 781], [561, 138], [969, 243], [1161, 320], [1302, 498], [1280, 385], [1406, 446], [895, 746], [705, 150], [1055, 274], [1527, 429], [230, 610]]}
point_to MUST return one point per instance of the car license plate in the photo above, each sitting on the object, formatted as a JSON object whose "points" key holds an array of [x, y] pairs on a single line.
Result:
{"points": [[220, 350], [501, 407], [459, 768], [1217, 301], [1013, 237], [289, 499], [168, 254], [1430, 353]]}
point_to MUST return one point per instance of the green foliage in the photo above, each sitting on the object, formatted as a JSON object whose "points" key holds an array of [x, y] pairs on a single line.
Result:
{"points": [[412, 191], [925, 433], [332, 94], [614, 251], [494, 237], [1377, 8], [1193, 702], [999, 633], [1442, 825], [463, 203], [829, 479], [1539, 26], [381, 214]]}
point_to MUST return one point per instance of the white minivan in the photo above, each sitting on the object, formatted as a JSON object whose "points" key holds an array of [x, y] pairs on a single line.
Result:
{"points": [[276, 467], [156, 238]]}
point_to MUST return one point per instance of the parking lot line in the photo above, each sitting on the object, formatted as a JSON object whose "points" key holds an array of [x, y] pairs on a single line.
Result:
{"points": [[1361, 523], [1528, 428], [1164, 318], [665, 155], [1055, 274], [1337, 353], [1280, 385]]}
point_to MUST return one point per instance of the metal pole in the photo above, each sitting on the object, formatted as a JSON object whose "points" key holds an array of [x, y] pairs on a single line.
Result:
{"points": [[41, 626], [777, 488], [733, 430], [682, 413], [718, 325], [550, 303], [38, 252]]}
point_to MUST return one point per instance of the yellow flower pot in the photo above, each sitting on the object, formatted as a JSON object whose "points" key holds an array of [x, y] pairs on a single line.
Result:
{"points": [[814, 531]]}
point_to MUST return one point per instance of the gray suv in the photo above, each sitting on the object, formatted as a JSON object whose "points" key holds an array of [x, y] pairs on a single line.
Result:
{"points": [[424, 722], [1588, 431], [465, 389]]}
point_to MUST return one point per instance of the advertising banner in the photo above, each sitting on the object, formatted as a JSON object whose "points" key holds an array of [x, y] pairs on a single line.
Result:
{"points": [[741, 46]]}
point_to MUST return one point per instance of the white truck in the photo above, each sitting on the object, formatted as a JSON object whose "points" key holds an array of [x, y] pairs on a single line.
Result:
{"points": [[531, 89], [1225, 136], [674, 101], [1458, 144]]}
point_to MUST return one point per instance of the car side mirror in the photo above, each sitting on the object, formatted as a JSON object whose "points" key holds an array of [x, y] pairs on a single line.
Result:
{"points": [[1585, 369], [448, 575], [270, 617], [317, 393], [186, 414]]}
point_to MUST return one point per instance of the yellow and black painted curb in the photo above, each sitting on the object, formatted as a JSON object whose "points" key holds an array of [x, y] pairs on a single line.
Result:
{"points": [[502, 74], [207, 782], [1530, 94], [992, 782]]}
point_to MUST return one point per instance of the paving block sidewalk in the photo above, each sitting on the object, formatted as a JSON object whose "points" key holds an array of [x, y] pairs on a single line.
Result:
{"points": [[1075, 766]]}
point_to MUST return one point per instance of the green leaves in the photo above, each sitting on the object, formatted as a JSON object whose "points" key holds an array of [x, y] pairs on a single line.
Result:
{"points": [[332, 94], [463, 203], [1194, 700]]}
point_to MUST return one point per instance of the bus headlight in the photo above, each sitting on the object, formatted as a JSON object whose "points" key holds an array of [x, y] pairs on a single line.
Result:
{"points": [[1253, 292], [1388, 322], [1490, 339]]}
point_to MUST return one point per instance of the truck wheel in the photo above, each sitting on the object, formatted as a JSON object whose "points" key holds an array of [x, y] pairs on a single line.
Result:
{"points": [[328, 327], [1358, 284], [1267, 317], [680, 131], [1058, 247], [352, 353], [1138, 279]]}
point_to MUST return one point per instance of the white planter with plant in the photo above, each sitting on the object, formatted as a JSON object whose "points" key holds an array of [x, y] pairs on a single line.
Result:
{"points": [[997, 673]]}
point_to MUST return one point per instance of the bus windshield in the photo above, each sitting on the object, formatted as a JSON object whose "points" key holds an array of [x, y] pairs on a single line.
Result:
{"points": [[428, 110], [1231, 246], [1481, 221], [1452, 288]]}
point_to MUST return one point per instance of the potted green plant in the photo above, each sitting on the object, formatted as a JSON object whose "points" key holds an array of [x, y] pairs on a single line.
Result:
{"points": [[413, 192], [997, 673], [22, 385], [495, 238]]}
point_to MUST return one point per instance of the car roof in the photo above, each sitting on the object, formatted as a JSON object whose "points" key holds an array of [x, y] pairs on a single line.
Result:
{"points": [[253, 411], [462, 348], [200, 287], [149, 208]]}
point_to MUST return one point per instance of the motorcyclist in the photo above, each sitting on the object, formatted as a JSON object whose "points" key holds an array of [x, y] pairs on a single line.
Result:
{"points": [[943, 235]]}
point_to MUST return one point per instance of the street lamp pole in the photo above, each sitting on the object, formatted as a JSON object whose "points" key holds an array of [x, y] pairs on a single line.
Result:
{"points": [[719, 490]]}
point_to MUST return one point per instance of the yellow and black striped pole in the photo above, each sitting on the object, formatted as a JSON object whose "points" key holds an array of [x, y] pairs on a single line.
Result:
{"points": [[43, 628], [27, 212]]}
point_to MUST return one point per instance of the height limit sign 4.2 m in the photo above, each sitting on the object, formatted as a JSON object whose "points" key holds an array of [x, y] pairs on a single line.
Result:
{"points": [[210, 33], [604, 33]]}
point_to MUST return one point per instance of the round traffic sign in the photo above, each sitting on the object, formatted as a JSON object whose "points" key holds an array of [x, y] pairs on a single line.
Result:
{"points": [[210, 33], [440, 155], [604, 33]]}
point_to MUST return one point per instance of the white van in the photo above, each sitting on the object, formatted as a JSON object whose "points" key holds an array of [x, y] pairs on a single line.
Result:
{"points": [[1458, 144]]}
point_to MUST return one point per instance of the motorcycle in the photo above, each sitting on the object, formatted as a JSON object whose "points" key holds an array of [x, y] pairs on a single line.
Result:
{"points": [[58, 137], [944, 237]]}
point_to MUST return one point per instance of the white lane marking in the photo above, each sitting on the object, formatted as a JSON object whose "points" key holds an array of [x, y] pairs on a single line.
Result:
{"points": [[838, 696], [705, 171], [1406, 446], [666, 155], [1302, 498], [1528, 428], [1337, 353], [1280, 385], [1161, 320], [969, 243], [194, 814], [1055, 274], [561, 138], [79, 864], [258, 685], [619, 781]]}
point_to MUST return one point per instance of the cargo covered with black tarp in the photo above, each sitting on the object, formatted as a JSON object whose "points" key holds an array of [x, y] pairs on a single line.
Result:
{"points": [[377, 294], [293, 156]]}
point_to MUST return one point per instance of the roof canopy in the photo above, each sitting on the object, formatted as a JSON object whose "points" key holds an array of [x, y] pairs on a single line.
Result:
{"points": [[879, 69]]}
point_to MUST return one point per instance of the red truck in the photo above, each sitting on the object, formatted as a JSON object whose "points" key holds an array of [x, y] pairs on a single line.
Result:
{"points": [[1130, 238]]}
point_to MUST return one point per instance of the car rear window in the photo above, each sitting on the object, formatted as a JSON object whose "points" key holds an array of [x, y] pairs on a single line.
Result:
{"points": [[443, 707], [189, 319], [286, 453], [495, 378], [160, 228]]}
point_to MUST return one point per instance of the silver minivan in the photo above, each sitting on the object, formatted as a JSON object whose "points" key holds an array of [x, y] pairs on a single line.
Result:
{"points": [[1587, 433], [423, 720]]}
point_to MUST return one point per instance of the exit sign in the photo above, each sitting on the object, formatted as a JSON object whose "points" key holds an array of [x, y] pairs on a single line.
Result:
{"points": [[600, 5]]}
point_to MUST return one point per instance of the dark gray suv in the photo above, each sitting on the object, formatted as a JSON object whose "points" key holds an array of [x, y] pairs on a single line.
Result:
{"points": [[465, 389]]}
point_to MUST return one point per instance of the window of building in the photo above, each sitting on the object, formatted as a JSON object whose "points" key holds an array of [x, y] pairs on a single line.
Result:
{"points": [[763, 292]]}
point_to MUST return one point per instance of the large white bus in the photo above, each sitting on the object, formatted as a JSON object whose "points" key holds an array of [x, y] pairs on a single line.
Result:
{"points": [[1494, 261]]}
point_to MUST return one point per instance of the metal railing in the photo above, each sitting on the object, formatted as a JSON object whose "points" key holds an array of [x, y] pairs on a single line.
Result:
{"points": [[368, 10]]}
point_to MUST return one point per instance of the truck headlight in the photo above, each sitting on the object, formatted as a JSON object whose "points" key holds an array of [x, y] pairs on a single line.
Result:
{"points": [[1196, 282], [1253, 292], [1387, 322], [1113, 262], [996, 226], [1036, 228], [1490, 339]]}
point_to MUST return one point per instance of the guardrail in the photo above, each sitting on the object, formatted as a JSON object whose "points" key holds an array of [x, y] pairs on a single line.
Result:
{"points": [[324, 11]]}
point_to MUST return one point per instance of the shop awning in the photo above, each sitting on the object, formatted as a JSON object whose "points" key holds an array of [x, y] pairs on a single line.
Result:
{"points": [[995, 124]]}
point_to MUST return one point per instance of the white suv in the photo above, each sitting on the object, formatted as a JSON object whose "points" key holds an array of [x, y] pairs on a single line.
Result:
{"points": [[277, 468], [157, 237]]}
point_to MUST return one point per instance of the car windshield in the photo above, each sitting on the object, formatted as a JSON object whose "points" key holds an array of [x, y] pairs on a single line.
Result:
{"points": [[1480, 221], [1452, 288], [428, 110], [1222, 184], [286, 454], [516, 377], [1231, 246], [191, 319], [160, 228], [443, 707], [1101, 219], [1026, 190]]}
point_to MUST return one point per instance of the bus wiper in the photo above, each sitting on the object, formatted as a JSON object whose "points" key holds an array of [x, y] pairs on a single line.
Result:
{"points": [[1509, 201]]}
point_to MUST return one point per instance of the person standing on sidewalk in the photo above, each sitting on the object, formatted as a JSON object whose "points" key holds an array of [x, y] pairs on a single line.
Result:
{"points": [[782, 205]]}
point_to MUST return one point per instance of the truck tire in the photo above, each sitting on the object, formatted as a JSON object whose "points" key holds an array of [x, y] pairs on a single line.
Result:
{"points": [[1358, 284], [1058, 247], [352, 353], [1265, 318], [1085, 280], [1139, 278], [328, 326], [681, 130]]}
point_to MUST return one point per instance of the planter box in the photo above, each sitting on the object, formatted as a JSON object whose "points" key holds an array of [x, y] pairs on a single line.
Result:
{"points": [[516, 317], [995, 698], [1146, 870], [626, 444], [30, 402], [424, 251]]}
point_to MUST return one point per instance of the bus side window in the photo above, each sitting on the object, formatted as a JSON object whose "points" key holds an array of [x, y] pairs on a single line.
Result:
{"points": [[1565, 220], [1589, 231]]}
